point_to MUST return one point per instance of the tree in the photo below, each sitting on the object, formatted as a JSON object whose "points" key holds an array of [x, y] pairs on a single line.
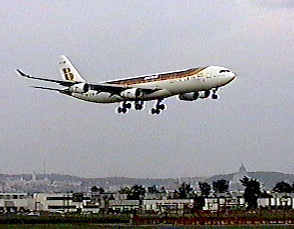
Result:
{"points": [[101, 190], [124, 190], [220, 186], [185, 190], [162, 190], [153, 189], [205, 188], [199, 202], [94, 189], [136, 192], [283, 187], [252, 192]]}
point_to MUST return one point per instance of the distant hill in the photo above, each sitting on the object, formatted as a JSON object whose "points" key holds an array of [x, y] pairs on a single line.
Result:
{"points": [[227, 177], [268, 179]]}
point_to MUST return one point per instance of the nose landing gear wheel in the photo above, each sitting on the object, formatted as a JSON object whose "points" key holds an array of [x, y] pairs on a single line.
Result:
{"points": [[214, 96]]}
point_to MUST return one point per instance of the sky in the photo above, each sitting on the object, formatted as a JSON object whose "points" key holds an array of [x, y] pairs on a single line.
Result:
{"points": [[252, 123]]}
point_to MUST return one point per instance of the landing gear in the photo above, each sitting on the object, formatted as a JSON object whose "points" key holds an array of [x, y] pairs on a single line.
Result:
{"points": [[139, 105], [159, 107], [214, 95], [124, 108]]}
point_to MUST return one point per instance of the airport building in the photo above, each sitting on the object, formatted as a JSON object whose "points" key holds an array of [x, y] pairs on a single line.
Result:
{"points": [[94, 203], [13, 202], [62, 202]]}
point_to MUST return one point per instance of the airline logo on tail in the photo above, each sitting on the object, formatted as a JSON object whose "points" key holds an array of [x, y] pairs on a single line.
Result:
{"points": [[68, 75], [68, 71]]}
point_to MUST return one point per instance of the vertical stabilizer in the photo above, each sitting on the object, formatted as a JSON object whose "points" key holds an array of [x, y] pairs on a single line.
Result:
{"points": [[68, 70]]}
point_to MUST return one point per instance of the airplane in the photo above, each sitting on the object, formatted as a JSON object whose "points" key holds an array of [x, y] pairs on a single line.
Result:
{"points": [[189, 84]]}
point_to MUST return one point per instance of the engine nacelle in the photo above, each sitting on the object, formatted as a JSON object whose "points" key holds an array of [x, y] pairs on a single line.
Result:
{"points": [[189, 96], [204, 94], [132, 93], [79, 88]]}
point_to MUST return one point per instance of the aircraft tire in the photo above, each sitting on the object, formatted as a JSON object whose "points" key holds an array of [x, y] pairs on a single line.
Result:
{"points": [[128, 106], [155, 111], [138, 107], [214, 96], [161, 107]]}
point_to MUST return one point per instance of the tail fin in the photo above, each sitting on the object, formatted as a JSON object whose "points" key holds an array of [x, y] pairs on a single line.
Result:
{"points": [[68, 70]]}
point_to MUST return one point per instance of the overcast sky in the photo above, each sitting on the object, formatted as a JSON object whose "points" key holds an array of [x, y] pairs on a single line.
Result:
{"points": [[252, 123]]}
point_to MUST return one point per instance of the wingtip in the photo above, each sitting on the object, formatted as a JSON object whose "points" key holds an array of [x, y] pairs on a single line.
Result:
{"points": [[21, 73]]}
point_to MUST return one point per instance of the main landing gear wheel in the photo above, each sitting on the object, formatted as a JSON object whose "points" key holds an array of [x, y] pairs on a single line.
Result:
{"points": [[139, 105], [124, 108], [161, 107], [155, 111], [158, 108]]}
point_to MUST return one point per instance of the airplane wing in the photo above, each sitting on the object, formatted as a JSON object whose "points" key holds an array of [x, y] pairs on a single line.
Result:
{"points": [[117, 89], [102, 87]]}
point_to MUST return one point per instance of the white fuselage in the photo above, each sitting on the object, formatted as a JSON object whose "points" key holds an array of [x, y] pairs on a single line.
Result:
{"points": [[168, 84]]}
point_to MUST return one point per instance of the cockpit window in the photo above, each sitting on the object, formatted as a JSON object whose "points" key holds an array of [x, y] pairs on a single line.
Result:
{"points": [[221, 71]]}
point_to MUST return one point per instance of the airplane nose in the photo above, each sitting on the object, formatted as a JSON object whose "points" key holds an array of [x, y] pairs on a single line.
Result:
{"points": [[232, 76]]}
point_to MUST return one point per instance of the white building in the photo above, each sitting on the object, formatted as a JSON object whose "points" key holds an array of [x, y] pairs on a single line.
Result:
{"points": [[124, 205], [65, 202], [167, 205], [13, 202]]}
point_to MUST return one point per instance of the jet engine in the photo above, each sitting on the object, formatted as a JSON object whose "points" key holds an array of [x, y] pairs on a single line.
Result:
{"points": [[189, 96], [79, 88], [132, 93]]}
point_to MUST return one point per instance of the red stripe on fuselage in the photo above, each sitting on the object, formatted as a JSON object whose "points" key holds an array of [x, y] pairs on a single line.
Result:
{"points": [[158, 77]]}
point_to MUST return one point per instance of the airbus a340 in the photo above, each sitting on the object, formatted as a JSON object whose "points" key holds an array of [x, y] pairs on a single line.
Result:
{"points": [[189, 84]]}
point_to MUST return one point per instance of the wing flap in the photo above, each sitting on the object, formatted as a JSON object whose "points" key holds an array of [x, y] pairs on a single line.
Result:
{"points": [[117, 89]]}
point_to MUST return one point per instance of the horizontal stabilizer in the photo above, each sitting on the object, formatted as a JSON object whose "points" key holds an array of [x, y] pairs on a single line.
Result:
{"points": [[61, 82], [22, 73]]}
